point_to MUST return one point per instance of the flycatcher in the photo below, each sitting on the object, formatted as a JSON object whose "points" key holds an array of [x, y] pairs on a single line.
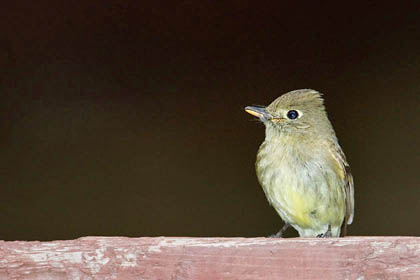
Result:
{"points": [[302, 168]]}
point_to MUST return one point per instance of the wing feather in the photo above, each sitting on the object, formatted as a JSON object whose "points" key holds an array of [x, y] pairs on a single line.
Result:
{"points": [[348, 181]]}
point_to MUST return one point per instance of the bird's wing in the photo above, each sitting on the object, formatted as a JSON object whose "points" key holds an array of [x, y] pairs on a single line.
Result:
{"points": [[348, 180]]}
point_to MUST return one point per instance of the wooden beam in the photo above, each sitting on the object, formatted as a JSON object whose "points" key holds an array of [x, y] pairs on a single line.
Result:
{"points": [[212, 258]]}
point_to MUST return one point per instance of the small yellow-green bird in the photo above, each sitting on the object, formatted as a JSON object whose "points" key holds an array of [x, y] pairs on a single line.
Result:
{"points": [[302, 168]]}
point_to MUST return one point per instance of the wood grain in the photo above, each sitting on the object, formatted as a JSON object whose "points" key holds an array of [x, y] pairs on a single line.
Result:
{"points": [[212, 258]]}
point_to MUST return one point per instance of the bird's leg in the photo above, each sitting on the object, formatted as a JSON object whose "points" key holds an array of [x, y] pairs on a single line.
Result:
{"points": [[281, 231], [326, 234]]}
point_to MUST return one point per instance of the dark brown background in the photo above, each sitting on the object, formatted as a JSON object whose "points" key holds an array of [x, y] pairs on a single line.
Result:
{"points": [[126, 117]]}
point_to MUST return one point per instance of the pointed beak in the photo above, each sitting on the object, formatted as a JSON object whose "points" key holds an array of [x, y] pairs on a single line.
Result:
{"points": [[258, 112]]}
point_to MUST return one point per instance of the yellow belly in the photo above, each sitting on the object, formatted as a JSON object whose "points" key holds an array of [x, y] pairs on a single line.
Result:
{"points": [[308, 207], [305, 189], [298, 206]]}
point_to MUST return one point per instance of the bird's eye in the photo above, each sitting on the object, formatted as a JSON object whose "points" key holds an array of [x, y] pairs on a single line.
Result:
{"points": [[292, 114]]}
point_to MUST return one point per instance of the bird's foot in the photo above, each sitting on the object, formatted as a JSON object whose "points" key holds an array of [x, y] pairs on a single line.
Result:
{"points": [[280, 233], [326, 234]]}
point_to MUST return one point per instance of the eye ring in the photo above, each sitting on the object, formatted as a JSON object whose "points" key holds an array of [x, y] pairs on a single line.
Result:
{"points": [[292, 114]]}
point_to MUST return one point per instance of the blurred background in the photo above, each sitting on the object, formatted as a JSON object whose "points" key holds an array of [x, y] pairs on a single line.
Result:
{"points": [[125, 118]]}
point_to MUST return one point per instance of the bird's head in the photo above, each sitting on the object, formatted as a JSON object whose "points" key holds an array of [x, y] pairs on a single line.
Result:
{"points": [[300, 111]]}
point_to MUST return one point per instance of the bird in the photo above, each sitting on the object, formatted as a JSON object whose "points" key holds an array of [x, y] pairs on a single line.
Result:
{"points": [[301, 167]]}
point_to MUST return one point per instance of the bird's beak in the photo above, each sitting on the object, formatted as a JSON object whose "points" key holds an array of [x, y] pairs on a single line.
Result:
{"points": [[259, 112]]}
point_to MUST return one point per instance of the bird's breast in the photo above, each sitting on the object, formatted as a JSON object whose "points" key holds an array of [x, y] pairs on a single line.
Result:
{"points": [[296, 182]]}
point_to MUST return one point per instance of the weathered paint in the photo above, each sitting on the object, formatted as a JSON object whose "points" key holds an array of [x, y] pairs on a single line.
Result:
{"points": [[212, 258]]}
